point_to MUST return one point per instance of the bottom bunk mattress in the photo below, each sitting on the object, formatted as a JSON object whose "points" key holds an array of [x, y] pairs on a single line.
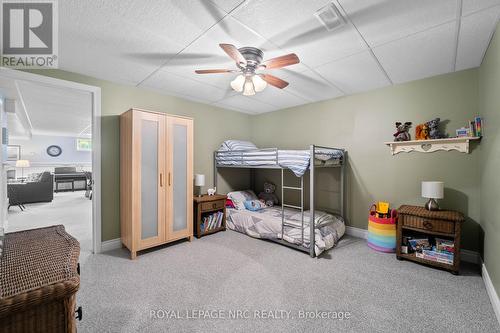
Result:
{"points": [[266, 224]]}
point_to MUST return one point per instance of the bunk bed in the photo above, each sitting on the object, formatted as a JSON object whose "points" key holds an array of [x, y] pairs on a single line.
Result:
{"points": [[296, 230]]}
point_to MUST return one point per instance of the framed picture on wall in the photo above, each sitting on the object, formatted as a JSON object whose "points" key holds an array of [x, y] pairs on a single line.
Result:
{"points": [[13, 153]]}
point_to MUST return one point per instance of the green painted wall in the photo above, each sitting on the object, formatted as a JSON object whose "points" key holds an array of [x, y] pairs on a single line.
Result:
{"points": [[362, 123], [212, 126], [489, 102]]}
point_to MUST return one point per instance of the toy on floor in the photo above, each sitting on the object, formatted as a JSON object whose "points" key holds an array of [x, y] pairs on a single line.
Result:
{"points": [[402, 133], [382, 228], [268, 197], [433, 126], [422, 132]]}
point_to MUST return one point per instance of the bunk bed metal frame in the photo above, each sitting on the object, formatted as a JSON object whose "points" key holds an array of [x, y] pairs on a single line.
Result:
{"points": [[239, 156]]}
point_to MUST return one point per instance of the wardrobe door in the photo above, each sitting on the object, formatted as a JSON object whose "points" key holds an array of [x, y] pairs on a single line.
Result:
{"points": [[149, 141], [180, 178]]}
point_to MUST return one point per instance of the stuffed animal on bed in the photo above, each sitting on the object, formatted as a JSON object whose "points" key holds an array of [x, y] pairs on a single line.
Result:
{"points": [[268, 196]]}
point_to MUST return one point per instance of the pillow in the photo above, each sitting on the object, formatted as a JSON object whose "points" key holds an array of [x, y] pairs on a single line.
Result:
{"points": [[229, 203], [239, 197], [254, 205], [237, 145]]}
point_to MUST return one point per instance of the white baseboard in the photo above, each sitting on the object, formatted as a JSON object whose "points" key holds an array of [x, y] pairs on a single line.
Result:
{"points": [[356, 232], [465, 255], [111, 244], [492, 293]]}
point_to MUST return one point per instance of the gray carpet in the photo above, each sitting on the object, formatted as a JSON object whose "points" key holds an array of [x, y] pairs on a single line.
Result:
{"points": [[230, 271], [71, 209]]}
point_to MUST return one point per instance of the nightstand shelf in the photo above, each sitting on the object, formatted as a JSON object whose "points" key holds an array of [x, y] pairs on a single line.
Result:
{"points": [[206, 206], [418, 222]]}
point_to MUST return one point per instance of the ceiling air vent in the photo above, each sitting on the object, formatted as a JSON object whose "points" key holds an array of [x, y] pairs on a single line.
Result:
{"points": [[330, 17]]}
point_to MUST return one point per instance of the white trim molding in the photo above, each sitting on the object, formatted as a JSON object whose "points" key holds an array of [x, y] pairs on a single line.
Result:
{"points": [[111, 244], [356, 232], [466, 255], [492, 293]]}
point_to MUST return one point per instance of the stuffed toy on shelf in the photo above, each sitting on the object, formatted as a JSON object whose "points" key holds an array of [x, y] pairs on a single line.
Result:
{"points": [[403, 131], [433, 126], [422, 132]]}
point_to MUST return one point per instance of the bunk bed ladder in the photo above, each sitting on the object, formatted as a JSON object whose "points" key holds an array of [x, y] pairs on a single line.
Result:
{"points": [[283, 205]]}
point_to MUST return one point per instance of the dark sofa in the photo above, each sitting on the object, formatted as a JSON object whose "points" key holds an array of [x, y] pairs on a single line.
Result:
{"points": [[31, 192]]}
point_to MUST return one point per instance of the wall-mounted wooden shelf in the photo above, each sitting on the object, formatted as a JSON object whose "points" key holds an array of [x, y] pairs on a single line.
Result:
{"points": [[429, 146]]}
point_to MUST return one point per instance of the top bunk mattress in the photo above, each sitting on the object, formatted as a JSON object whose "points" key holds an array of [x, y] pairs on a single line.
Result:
{"points": [[296, 160]]}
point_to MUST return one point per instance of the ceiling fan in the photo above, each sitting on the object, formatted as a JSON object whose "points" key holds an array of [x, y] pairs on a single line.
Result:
{"points": [[249, 60]]}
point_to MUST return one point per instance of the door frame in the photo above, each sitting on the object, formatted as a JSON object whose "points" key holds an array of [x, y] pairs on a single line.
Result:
{"points": [[96, 138]]}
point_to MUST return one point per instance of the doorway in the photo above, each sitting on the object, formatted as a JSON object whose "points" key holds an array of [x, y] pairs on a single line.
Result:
{"points": [[51, 156]]}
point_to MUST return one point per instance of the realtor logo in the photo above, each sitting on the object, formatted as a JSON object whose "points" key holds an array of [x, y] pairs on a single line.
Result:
{"points": [[29, 34]]}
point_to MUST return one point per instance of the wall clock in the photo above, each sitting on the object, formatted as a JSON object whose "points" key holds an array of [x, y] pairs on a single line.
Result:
{"points": [[54, 151]]}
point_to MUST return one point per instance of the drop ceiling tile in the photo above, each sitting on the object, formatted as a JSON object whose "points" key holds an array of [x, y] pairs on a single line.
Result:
{"points": [[354, 74], [177, 85], [227, 5], [421, 55], [108, 39], [280, 98], [292, 25], [470, 6], [475, 34], [309, 85], [245, 104], [381, 21]]}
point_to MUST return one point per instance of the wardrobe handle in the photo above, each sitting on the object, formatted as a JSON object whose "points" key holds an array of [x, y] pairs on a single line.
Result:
{"points": [[169, 179], [161, 180]]}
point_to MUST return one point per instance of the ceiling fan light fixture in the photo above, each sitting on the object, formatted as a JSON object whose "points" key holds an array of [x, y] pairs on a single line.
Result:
{"points": [[238, 82], [258, 83], [248, 87]]}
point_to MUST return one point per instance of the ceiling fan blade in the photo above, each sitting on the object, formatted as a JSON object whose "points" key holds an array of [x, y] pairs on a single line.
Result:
{"points": [[283, 61], [274, 81], [233, 52], [214, 71]]}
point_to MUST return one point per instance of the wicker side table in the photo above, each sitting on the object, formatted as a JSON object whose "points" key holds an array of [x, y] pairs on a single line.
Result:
{"points": [[39, 281], [445, 224]]}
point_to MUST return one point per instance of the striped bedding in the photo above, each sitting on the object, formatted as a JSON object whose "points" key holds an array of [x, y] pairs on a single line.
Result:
{"points": [[296, 160]]}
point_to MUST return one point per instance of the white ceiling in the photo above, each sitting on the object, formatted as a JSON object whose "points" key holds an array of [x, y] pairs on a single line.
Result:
{"points": [[47, 110], [158, 44]]}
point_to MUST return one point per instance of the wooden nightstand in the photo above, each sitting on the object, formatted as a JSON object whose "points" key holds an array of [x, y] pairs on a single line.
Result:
{"points": [[209, 214], [418, 222]]}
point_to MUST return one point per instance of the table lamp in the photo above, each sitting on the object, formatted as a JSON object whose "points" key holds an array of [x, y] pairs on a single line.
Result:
{"points": [[199, 181], [22, 164], [432, 190]]}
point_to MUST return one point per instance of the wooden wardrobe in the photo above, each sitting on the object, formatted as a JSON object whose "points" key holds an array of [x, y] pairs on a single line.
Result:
{"points": [[156, 179]]}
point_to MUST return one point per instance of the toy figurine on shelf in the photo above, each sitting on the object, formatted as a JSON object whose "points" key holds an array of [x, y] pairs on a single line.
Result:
{"points": [[422, 132], [403, 131]]}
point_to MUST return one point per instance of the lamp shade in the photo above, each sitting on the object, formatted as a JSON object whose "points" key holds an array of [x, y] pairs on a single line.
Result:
{"points": [[199, 180], [238, 82], [433, 190], [22, 164]]}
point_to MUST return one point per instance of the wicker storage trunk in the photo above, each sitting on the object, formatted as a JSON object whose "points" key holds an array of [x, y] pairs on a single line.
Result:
{"points": [[39, 281]]}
